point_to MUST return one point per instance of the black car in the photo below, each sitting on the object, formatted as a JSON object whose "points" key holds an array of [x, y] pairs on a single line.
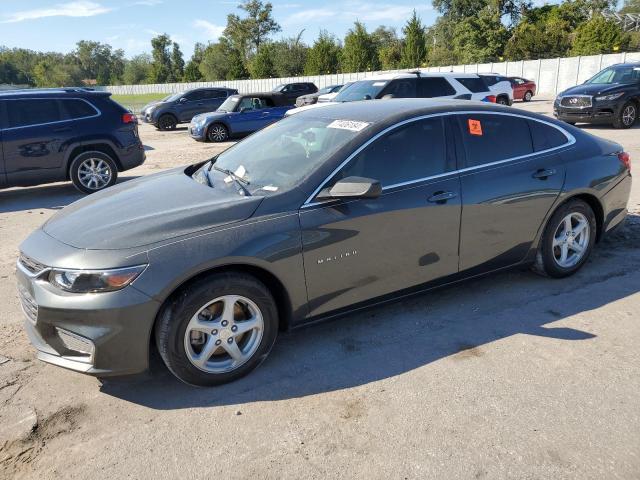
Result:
{"points": [[611, 96], [182, 107], [321, 214], [53, 135], [313, 97], [291, 91]]}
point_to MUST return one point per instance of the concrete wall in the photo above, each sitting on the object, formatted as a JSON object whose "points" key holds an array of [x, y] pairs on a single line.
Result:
{"points": [[551, 75]]}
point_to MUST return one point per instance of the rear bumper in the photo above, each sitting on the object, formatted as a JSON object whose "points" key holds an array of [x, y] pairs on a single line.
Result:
{"points": [[132, 157], [615, 204]]}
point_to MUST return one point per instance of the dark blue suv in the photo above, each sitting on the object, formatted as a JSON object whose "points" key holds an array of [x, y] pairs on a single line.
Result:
{"points": [[182, 107], [53, 135]]}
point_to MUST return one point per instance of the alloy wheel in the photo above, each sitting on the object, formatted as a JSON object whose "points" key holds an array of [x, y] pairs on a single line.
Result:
{"points": [[94, 173], [224, 334], [527, 97], [217, 133], [571, 240], [629, 115]]}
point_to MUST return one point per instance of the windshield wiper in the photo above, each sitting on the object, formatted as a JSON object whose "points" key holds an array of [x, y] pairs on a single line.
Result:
{"points": [[241, 182]]}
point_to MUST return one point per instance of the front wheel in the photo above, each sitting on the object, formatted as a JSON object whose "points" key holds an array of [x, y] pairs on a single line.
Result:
{"points": [[217, 133], [627, 116], [167, 122], [217, 329], [93, 171], [567, 240]]}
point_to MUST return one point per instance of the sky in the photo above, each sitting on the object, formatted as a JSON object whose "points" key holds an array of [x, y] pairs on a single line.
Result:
{"points": [[130, 25]]}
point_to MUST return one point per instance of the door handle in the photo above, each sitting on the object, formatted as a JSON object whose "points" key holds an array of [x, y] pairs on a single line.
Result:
{"points": [[545, 173], [442, 197]]}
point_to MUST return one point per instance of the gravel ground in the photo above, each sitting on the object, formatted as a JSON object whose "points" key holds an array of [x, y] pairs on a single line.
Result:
{"points": [[511, 376]]}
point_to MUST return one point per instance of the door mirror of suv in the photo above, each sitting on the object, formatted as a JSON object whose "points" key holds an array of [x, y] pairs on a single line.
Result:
{"points": [[367, 97], [388, 96], [184, 100], [352, 187]]}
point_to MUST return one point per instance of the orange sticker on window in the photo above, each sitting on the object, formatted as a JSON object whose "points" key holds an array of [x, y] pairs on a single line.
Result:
{"points": [[475, 127]]}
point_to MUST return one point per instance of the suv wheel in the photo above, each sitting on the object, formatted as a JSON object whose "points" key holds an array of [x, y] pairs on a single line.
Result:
{"points": [[627, 116], [567, 240], [502, 100], [93, 171], [167, 122], [527, 96], [217, 329], [217, 133]]}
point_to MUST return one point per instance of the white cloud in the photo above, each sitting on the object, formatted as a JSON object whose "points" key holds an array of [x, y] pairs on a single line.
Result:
{"points": [[79, 8], [306, 16], [148, 3], [212, 30], [356, 10]]}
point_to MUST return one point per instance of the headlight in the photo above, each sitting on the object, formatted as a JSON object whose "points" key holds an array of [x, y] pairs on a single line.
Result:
{"points": [[613, 96], [90, 281], [199, 121]]}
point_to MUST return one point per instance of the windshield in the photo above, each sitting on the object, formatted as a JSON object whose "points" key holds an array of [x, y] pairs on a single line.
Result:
{"points": [[617, 75], [229, 104], [277, 88], [172, 98], [282, 155], [360, 90]]}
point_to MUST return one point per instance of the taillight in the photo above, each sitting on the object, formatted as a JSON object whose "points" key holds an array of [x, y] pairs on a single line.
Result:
{"points": [[625, 159], [490, 99], [129, 118]]}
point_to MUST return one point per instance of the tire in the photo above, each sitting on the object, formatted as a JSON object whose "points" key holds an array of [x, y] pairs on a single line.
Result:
{"points": [[556, 237], [502, 100], [93, 171], [217, 132], [627, 116], [167, 122], [182, 346], [527, 96]]}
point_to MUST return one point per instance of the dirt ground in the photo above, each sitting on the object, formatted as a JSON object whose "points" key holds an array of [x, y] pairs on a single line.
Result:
{"points": [[511, 376]]}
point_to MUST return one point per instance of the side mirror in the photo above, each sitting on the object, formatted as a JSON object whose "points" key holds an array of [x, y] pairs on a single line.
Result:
{"points": [[388, 96], [352, 187], [367, 97], [464, 96], [184, 100]]}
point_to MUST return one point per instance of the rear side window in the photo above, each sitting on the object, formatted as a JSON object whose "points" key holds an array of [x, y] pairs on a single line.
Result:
{"points": [[491, 138], [410, 152], [430, 87], [402, 88], [22, 113], [474, 85], [217, 94], [75, 108], [545, 136], [489, 80]]}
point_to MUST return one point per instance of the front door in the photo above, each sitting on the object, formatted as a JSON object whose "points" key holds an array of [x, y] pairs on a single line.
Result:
{"points": [[508, 186], [355, 250]]}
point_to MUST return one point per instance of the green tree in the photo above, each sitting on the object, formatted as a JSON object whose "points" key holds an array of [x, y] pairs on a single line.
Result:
{"points": [[192, 69], [99, 61], [414, 51], [531, 41], [481, 38], [137, 70], [177, 63], [324, 56], [290, 56], [359, 53], [57, 71], [221, 61], [246, 34], [261, 64], [389, 47], [439, 39], [161, 70], [599, 35]]}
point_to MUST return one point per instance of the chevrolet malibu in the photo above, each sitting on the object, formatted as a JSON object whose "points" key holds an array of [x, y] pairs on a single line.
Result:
{"points": [[318, 215]]}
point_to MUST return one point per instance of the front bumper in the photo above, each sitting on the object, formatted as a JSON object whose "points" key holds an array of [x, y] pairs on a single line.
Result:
{"points": [[197, 132], [598, 112], [102, 334]]}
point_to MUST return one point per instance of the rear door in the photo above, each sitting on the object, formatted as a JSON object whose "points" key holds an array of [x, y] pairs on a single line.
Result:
{"points": [[355, 250], [509, 180], [251, 115], [195, 103], [214, 99], [34, 140]]}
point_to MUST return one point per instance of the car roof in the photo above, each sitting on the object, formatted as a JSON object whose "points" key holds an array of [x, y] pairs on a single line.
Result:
{"points": [[51, 92], [277, 97], [418, 73]]}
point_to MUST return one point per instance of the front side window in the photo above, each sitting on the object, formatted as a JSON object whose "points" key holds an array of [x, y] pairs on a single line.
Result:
{"points": [[197, 95], [430, 87], [22, 113], [402, 88], [410, 152], [491, 138], [252, 103]]}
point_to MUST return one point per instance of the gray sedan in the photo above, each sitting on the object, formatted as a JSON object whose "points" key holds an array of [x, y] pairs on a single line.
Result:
{"points": [[322, 213]]}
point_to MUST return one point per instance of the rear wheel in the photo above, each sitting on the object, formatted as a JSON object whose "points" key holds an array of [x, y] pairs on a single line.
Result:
{"points": [[93, 171], [218, 329], [502, 100], [167, 122], [627, 116], [527, 96], [217, 133], [567, 240]]}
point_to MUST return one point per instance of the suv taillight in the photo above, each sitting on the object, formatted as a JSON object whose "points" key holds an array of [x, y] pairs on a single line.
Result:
{"points": [[490, 99], [625, 159], [129, 118]]}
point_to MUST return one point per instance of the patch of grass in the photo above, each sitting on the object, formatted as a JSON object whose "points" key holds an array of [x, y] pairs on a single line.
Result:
{"points": [[136, 102]]}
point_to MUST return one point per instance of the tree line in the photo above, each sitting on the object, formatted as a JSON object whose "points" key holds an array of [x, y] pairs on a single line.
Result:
{"points": [[466, 31]]}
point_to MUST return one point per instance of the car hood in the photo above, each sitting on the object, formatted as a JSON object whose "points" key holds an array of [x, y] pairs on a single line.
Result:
{"points": [[594, 89], [212, 115], [293, 111], [147, 210]]}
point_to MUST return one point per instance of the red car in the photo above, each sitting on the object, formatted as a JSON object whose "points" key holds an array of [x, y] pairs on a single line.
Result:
{"points": [[523, 89]]}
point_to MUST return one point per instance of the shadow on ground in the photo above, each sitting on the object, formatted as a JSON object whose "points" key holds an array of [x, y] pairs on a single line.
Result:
{"points": [[387, 341], [53, 197]]}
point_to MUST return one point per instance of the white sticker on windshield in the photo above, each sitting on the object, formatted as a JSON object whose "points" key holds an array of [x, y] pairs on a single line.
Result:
{"points": [[351, 125], [270, 188], [379, 84]]}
